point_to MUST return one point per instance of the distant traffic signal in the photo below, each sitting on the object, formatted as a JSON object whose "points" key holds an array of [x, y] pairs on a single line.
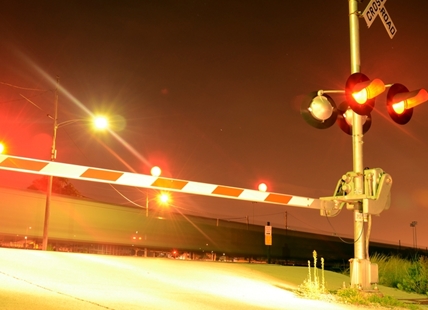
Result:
{"points": [[361, 92], [400, 102]]}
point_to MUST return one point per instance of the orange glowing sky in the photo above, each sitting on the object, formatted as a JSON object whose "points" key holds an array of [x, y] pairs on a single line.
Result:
{"points": [[210, 91]]}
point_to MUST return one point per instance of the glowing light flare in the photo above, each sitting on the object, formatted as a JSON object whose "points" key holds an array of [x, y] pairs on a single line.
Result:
{"points": [[79, 104], [164, 198], [408, 100], [361, 96], [262, 187], [2, 148], [156, 171], [367, 90], [130, 148], [100, 122], [399, 107]]}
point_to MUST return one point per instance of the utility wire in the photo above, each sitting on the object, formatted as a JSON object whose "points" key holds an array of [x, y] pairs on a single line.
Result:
{"points": [[23, 88]]}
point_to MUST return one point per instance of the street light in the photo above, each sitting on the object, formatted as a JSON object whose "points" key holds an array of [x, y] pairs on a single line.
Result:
{"points": [[415, 240], [99, 123], [164, 198]]}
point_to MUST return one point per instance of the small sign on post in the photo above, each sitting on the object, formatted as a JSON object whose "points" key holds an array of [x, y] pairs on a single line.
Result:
{"points": [[268, 234]]}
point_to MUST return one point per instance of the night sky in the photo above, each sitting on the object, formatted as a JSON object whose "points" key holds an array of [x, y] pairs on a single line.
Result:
{"points": [[210, 91]]}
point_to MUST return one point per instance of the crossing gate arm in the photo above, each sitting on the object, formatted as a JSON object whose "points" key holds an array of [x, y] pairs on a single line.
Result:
{"points": [[77, 172]]}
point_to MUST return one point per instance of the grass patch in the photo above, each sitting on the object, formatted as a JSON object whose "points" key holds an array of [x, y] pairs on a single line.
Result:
{"points": [[314, 287], [410, 275], [357, 297]]}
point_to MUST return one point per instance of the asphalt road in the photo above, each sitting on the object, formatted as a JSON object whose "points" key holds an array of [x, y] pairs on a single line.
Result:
{"points": [[31, 279]]}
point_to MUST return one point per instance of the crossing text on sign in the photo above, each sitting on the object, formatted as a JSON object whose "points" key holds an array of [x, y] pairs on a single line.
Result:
{"points": [[387, 22], [372, 10], [377, 8]]}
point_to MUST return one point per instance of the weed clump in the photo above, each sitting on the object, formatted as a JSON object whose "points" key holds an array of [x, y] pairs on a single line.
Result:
{"points": [[313, 287]]}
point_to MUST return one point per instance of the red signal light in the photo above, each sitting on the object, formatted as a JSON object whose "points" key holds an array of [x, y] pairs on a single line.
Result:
{"points": [[361, 92], [400, 102]]}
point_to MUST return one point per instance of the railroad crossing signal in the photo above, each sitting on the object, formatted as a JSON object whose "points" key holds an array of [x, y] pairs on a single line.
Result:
{"points": [[377, 8], [320, 111]]}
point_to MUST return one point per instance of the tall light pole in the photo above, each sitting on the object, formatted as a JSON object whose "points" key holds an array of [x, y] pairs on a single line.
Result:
{"points": [[50, 177], [100, 122], [415, 240]]}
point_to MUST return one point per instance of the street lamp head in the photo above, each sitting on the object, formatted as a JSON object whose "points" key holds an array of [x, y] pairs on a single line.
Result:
{"points": [[164, 198], [100, 122]]}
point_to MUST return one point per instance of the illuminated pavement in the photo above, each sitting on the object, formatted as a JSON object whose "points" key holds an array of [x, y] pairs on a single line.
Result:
{"points": [[52, 280]]}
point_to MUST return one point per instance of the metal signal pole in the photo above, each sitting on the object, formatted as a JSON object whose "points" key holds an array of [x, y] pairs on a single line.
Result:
{"points": [[359, 265]]}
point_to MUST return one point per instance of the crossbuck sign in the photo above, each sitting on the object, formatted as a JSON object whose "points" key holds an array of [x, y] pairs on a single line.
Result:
{"points": [[377, 8]]}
